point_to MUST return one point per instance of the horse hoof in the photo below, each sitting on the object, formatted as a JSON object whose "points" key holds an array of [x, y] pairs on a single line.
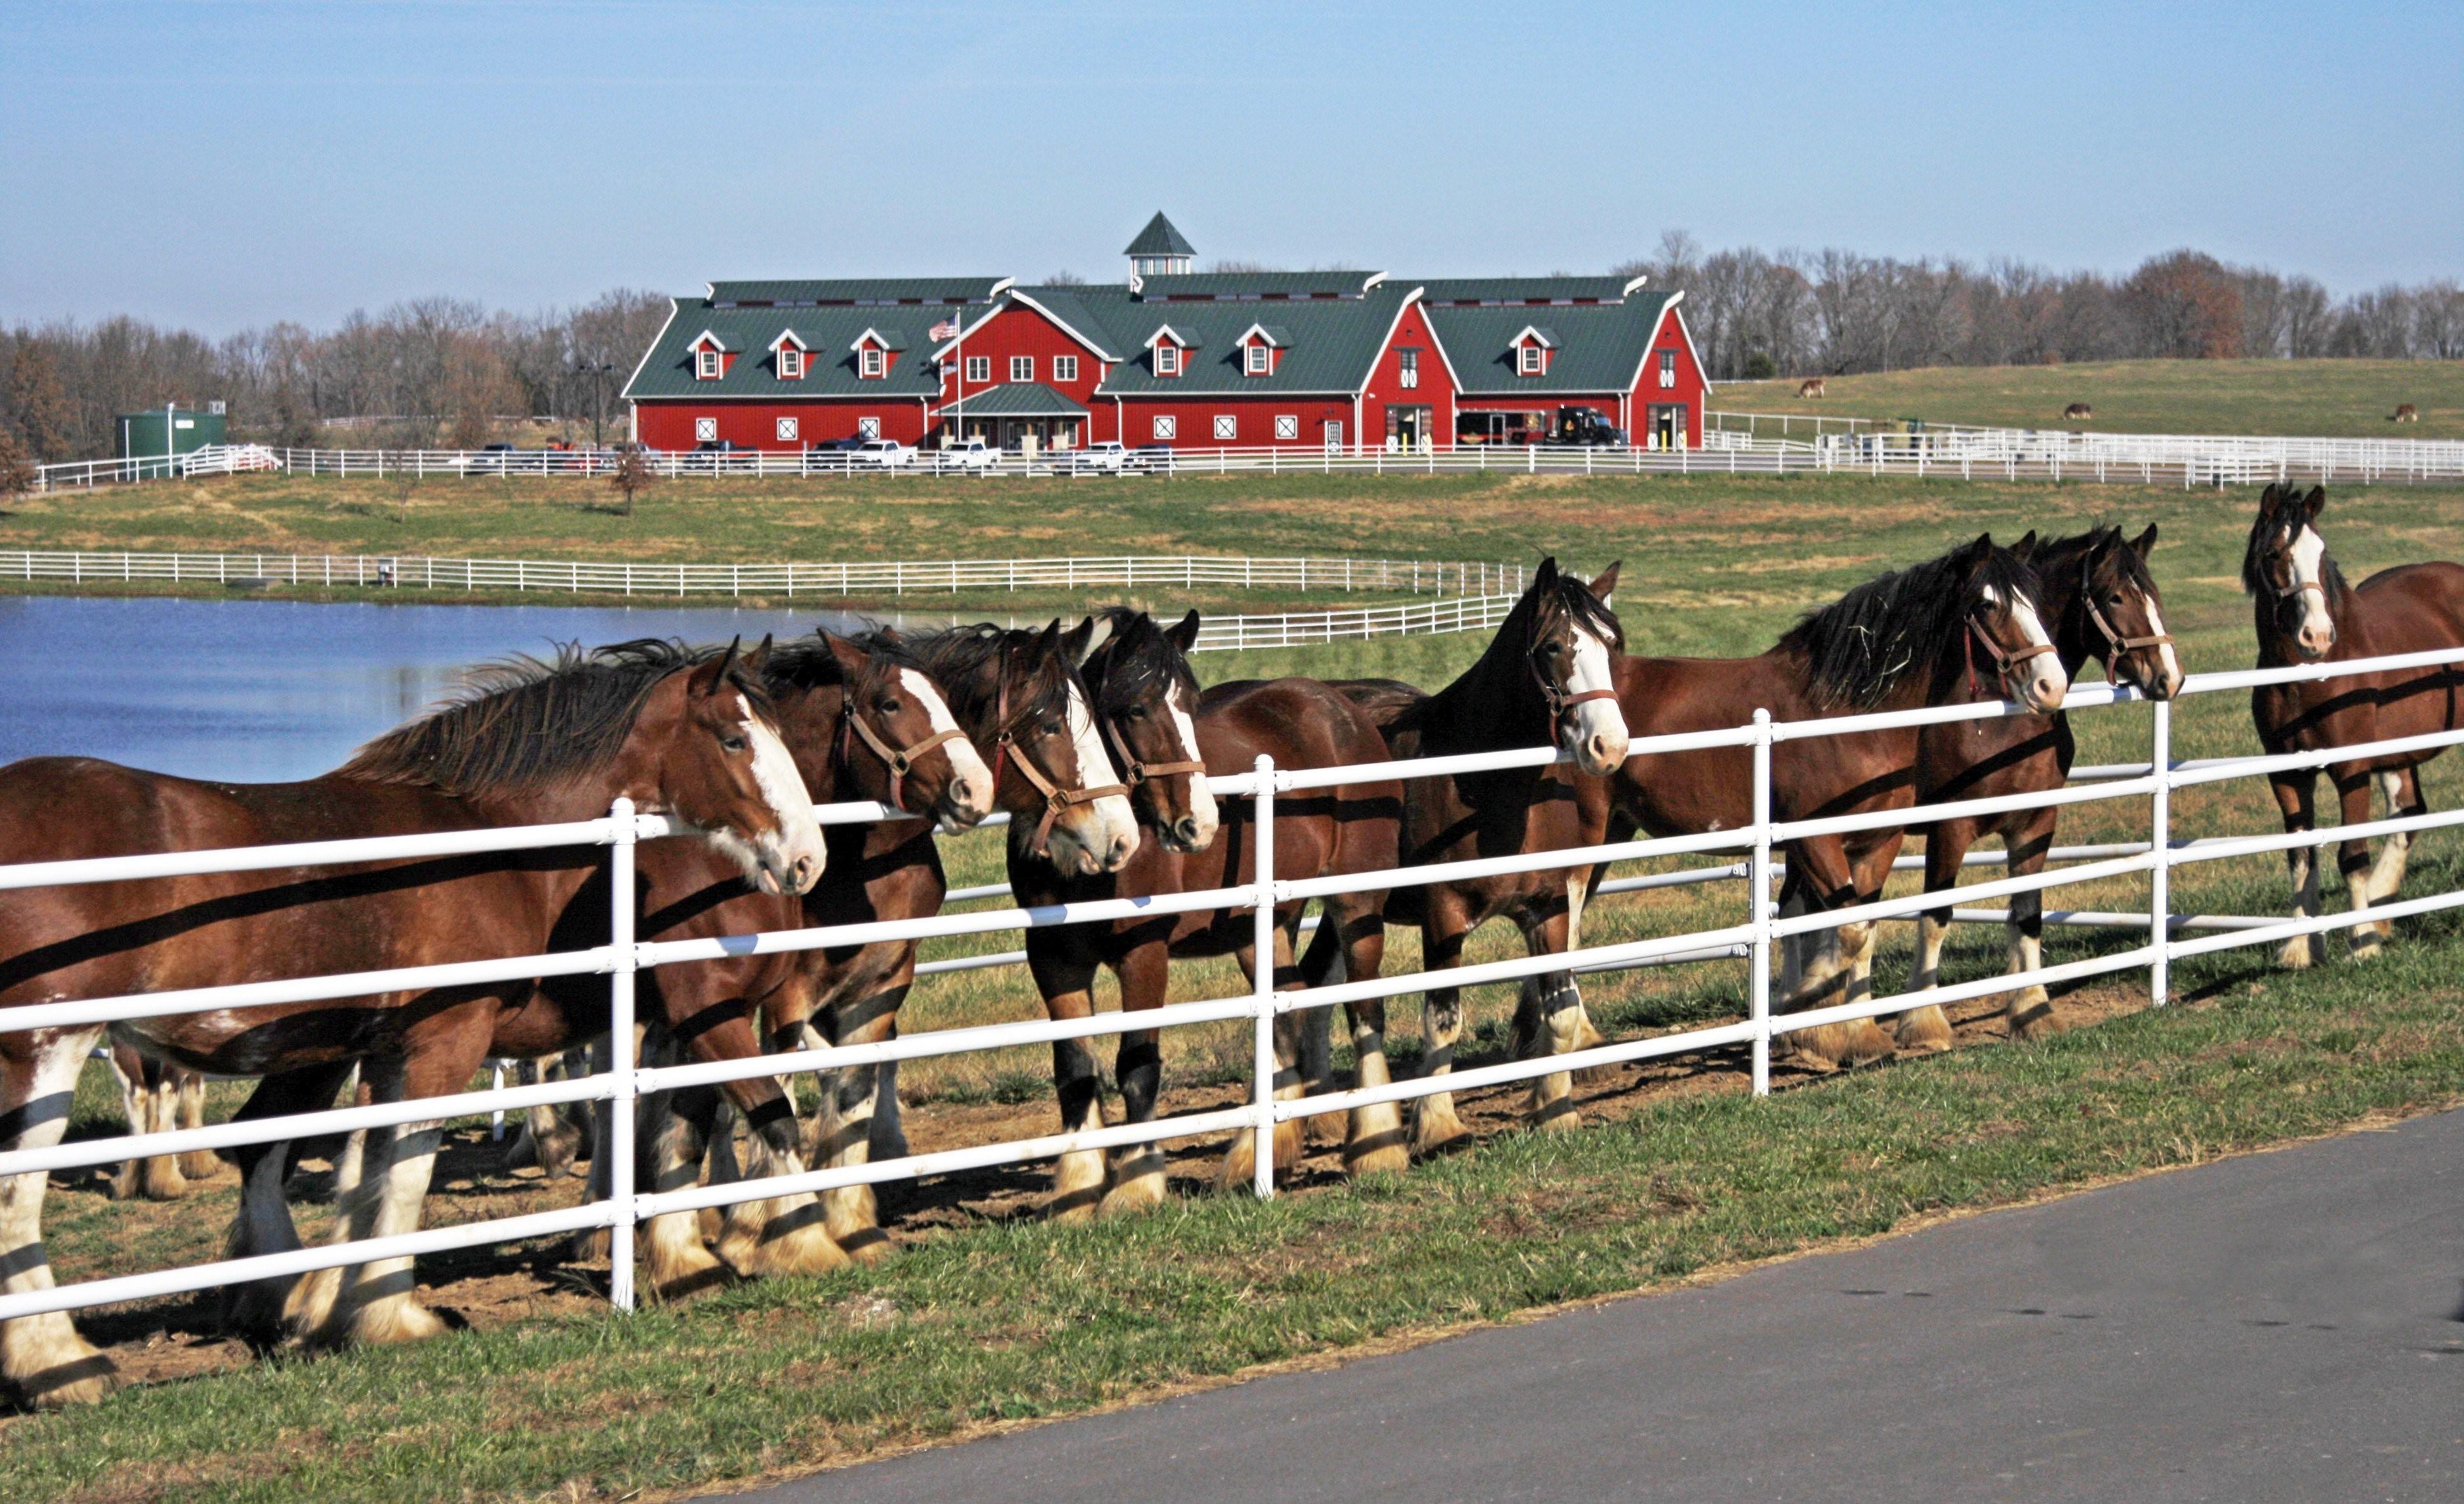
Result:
{"points": [[589, 1246], [1557, 1114], [867, 1246], [391, 1322], [1379, 1158], [2036, 1022], [1078, 1185], [1142, 1191], [687, 1272], [1435, 1133], [2295, 954], [54, 1367]]}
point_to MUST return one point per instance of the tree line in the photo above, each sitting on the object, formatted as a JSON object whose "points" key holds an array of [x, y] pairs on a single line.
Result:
{"points": [[1802, 313], [430, 371]]}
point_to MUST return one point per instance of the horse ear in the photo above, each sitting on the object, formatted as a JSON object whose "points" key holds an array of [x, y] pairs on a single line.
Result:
{"points": [[1604, 584], [2026, 547], [1085, 638], [852, 659], [2314, 503], [1184, 633], [1547, 573], [707, 679], [2268, 499], [759, 658], [1979, 551], [2145, 542]]}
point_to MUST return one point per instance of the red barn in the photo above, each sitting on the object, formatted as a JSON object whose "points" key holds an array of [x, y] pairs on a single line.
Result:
{"points": [[1305, 359]]}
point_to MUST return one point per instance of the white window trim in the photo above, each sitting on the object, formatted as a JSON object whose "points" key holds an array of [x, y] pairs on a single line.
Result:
{"points": [[1021, 367], [1227, 426], [868, 428], [1287, 425], [1669, 368], [1531, 359], [1260, 360], [709, 365], [791, 363], [873, 363], [1167, 358], [1064, 367], [1166, 425], [785, 429], [979, 367], [1407, 367], [705, 431]]}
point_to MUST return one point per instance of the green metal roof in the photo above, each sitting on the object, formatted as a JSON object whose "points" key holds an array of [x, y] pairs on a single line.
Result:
{"points": [[877, 291], [1329, 347], [1598, 349], [1527, 290], [1061, 302], [1018, 399], [1260, 286], [830, 334], [1159, 238]]}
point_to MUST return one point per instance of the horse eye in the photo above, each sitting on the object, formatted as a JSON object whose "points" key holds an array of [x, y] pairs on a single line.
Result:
{"points": [[1135, 712], [889, 706], [2114, 600], [1051, 728], [732, 741]]}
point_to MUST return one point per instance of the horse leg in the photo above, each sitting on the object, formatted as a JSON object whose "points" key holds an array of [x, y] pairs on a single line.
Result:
{"points": [[1240, 1167], [377, 1302], [1351, 946], [2353, 860], [2029, 1011], [551, 1136], [2402, 790], [263, 1223], [1067, 979], [889, 1117], [1827, 969], [847, 1106], [129, 1069], [1555, 1023], [783, 1234], [2295, 794], [197, 1164], [675, 1131], [42, 1358], [1135, 1176], [1872, 867], [1925, 1030], [1435, 1127]]}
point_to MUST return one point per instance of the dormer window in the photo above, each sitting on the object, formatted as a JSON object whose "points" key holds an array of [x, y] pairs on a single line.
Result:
{"points": [[1168, 350], [1262, 348], [1528, 360], [709, 356], [1531, 349], [1167, 358], [1258, 360], [706, 363], [875, 351], [787, 356], [869, 364]]}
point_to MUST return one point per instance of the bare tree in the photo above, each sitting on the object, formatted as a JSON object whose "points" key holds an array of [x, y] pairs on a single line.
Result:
{"points": [[631, 476], [18, 474]]}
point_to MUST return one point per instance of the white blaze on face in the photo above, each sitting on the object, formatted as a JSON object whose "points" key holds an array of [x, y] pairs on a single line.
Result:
{"points": [[971, 782], [1101, 835], [2309, 568], [2042, 682], [793, 853], [1201, 798], [2172, 665], [1597, 735]]}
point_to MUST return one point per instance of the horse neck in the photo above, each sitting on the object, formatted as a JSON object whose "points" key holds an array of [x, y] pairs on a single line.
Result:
{"points": [[809, 721], [2061, 601], [1496, 703]]}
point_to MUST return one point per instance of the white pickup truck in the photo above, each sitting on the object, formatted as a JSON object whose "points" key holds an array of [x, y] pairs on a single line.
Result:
{"points": [[1108, 459], [881, 455], [973, 454]]}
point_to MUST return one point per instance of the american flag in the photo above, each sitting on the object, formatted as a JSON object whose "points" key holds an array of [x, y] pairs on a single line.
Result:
{"points": [[947, 328]]}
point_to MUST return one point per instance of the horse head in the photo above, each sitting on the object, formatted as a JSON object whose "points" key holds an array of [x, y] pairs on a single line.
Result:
{"points": [[1146, 702], [2123, 612], [1019, 694], [896, 739], [2287, 569], [1572, 643], [2000, 613], [719, 763]]}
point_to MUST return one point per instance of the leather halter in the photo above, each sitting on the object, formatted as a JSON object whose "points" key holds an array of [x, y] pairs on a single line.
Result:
{"points": [[1560, 701], [1056, 799], [900, 760], [2003, 661], [2116, 644], [1137, 772]]}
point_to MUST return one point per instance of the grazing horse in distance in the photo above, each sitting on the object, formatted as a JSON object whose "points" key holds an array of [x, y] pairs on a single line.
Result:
{"points": [[2305, 612], [2405, 412], [2078, 412], [1167, 737], [1548, 678], [531, 743], [1903, 640], [2101, 603], [1811, 386]]}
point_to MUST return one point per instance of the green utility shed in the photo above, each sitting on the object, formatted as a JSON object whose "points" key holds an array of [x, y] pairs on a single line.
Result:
{"points": [[170, 430]]}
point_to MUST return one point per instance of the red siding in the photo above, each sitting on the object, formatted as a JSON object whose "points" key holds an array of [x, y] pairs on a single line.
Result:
{"points": [[1386, 382], [1020, 330], [668, 423], [1254, 416], [1647, 390]]}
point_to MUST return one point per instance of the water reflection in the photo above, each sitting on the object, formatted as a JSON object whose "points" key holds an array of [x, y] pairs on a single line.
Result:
{"points": [[254, 690]]}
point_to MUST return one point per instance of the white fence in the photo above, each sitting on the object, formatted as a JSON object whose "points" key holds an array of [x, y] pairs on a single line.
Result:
{"points": [[1752, 938], [2012, 453]]}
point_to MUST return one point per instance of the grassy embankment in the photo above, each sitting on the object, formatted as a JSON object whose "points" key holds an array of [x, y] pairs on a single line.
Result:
{"points": [[1010, 1319], [2312, 398]]}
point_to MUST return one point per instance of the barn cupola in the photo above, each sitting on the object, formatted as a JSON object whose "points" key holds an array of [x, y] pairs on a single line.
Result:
{"points": [[1531, 350], [788, 354], [1262, 348], [876, 351], [710, 356], [1168, 350], [1161, 250]]}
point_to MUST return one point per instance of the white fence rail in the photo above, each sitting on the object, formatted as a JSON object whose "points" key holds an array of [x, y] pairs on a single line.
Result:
{"points": [[1752, 938], [1938, 446]]}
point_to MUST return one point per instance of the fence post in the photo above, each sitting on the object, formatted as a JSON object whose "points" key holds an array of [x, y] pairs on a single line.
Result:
{"points": [[1262, 940], [620, 1053], [1758, 895], [2160, 836]]}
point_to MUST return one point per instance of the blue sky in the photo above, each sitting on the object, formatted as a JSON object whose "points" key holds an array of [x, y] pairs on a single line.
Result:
{"points": [[225, 165]]}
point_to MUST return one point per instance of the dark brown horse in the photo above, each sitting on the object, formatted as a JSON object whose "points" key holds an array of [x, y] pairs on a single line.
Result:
{"points": [[1898, 642], [1168, 736], [160, 1098], [1547, 678], [533, 743], [2305, 612], [2095, 594]]}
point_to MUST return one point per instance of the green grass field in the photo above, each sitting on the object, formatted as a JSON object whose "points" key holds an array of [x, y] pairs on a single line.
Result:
{"points": [[989, 1320], [2305, 398]]}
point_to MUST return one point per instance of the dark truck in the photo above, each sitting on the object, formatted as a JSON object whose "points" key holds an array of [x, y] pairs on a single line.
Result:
{"points": [[1586, 426]]}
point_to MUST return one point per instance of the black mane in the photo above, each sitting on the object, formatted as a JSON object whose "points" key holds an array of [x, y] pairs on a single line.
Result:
{"points": [[1136, 663], [807, 663], [1861, 648], [525, 722], [957, 659], [2254, 558]]}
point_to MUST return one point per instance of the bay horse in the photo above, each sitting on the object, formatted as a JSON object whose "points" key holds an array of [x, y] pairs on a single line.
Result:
{"points": [[1168, 736], [159, 1099], [1021, 693], [1547, 678], [2305, 612], [2095, 591], [531, 743], [1897, 642]]}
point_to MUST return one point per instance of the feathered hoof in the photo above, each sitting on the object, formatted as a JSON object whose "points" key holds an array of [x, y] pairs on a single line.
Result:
{"points": [[394, 1320], [201, 1164], [161, 1180], [1375, 1143], [2363, 946], [685, 1271], [779, 1247], [55, 1368], [1437, 1130], [1926, 1032], [867, 1246], [1240, 1168], [257, 1311], [1551, 1113], [2297, 954], [589, 1246], [851, 1213], [1137, 1186], [2035, 1018], [1078, 1185]]}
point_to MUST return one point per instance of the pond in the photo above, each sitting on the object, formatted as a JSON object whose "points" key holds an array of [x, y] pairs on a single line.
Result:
{"points": [[264, 691]]}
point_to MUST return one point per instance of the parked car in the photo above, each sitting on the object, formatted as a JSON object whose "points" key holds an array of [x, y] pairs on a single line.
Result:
{"points": [[882, 453], [1586, 426], [1151, 458], [1108, 459], [973, 454]]}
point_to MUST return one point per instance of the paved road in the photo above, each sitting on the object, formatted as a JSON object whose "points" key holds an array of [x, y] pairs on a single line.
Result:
{"points": [[2280, 1327]]}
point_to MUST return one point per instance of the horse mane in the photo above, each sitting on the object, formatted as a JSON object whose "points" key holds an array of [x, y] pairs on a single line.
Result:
{"points": [[807, 663], [2079, 546], [2254, 577], [523, 722], [957, 657], [1859, 648], [1136, 661]]}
